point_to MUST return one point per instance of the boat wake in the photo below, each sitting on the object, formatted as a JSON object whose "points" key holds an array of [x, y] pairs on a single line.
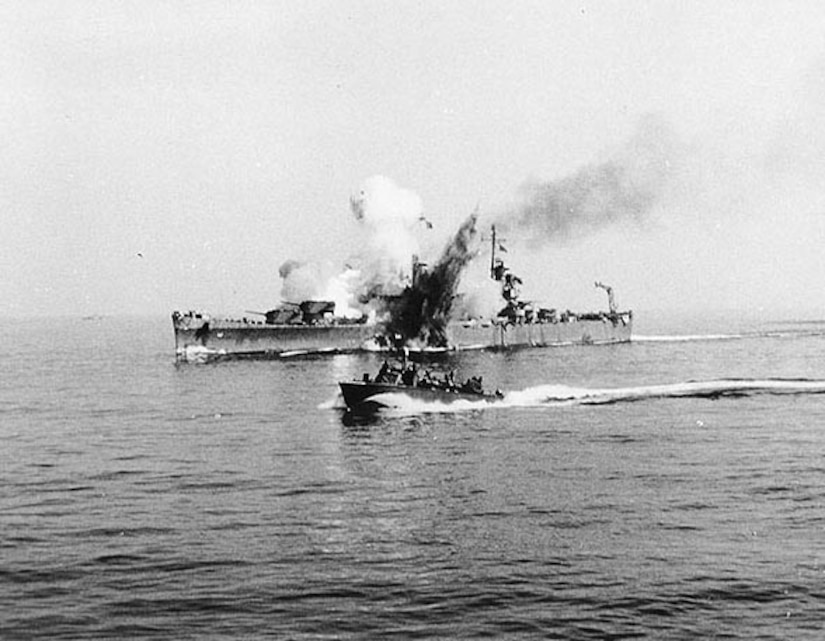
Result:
{"points": [[689, 338], [551, 395], [712, 389], [686, 338]]}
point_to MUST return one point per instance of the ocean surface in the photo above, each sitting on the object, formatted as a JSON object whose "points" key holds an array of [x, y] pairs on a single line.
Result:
{"points": [[669, 488]]}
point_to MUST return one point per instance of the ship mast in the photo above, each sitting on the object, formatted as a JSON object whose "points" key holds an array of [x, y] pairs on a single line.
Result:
{"points": [[493, 253]]}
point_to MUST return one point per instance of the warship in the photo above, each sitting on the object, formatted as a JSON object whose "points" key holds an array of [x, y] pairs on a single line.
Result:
{"points": [[312, 328]]}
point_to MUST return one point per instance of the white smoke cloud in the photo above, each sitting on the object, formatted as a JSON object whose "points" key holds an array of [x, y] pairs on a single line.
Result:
{"points": [[302, 281], [321, 281], [389, 217], [479, 295]]}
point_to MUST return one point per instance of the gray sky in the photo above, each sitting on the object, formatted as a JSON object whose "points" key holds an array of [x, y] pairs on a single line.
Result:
{"points": [[171, 155]]}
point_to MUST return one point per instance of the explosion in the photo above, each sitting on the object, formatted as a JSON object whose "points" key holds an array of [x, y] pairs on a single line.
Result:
{"points": [[422, 311], [413, 304], [389, 218], [381, 282]]}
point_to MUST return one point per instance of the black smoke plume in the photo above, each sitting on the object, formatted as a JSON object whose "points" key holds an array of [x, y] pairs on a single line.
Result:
{"points": [[624, 188], [421, 313]]}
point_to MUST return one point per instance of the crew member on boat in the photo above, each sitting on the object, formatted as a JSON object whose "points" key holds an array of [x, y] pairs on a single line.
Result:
{"points": [[383, 375]]}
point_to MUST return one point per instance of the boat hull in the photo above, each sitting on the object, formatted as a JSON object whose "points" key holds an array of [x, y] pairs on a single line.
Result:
{"points": [[199, 337], [366, 396]]}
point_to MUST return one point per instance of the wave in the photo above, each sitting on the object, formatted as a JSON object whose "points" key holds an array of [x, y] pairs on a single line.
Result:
{"points": [[554, 395]]}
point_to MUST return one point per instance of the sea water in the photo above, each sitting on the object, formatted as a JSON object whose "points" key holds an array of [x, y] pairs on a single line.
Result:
{"points": [[673, 487]]}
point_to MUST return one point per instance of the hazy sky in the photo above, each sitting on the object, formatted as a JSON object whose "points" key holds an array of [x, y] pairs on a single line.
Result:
{"points": [[172, 155]]}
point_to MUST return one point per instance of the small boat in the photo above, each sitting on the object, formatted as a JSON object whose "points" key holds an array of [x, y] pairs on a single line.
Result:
{"points": [[369, 394]]}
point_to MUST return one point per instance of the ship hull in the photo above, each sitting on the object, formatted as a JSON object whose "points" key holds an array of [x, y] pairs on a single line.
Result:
{"points": [[200, 338], [574, 332]]}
